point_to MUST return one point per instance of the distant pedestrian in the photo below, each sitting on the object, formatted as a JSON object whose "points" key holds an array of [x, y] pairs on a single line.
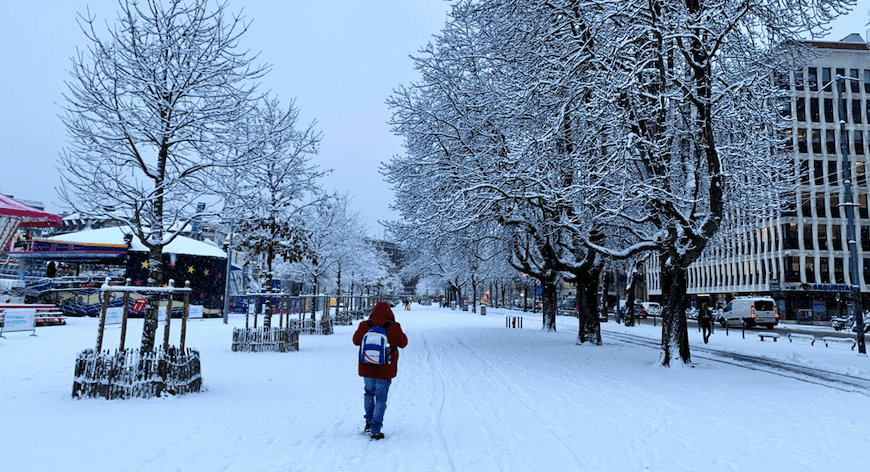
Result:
{"points": [[705, 320], [378, 378]]}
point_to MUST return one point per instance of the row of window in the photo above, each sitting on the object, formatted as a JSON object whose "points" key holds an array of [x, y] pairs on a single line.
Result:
{"points": [[812, 141], [813, 269], [813, 81], [855, 110]]}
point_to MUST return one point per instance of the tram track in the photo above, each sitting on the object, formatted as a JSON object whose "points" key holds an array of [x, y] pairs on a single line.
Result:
{"points": [[825, 378]]}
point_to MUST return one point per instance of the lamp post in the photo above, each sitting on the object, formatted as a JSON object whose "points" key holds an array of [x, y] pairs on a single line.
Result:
{"points": [[227, 281], [849, 203]]}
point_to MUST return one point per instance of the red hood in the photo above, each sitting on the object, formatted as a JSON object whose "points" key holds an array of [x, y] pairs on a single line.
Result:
{"points": [[381, 313]]}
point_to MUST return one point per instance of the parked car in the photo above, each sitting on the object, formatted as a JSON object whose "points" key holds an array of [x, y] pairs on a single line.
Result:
{"points": [[752, 311], [650, 309]]}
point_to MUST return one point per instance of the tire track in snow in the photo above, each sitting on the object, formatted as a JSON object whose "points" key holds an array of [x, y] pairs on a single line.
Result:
{"points": [[507, 382]]}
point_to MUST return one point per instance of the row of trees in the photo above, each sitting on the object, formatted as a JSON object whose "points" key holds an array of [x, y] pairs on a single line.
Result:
{"points": [[562, 135], [163, 112]]}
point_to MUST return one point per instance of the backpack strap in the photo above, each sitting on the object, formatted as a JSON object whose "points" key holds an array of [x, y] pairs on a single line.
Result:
{"points": [[371, 325]]}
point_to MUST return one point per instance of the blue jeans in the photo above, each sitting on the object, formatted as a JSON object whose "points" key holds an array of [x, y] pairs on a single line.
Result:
{"points": [[375, 401]]}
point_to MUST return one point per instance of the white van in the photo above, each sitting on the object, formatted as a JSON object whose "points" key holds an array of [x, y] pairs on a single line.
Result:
{"points": [[753, 311]]}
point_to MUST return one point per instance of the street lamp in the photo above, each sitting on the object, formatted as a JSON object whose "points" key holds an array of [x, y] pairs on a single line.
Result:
{"points": [[849, 203], [228, 272]]}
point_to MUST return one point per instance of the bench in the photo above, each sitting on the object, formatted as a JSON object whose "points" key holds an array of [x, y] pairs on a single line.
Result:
{"points": [[832, 340], [802, 337], [773, 336]]}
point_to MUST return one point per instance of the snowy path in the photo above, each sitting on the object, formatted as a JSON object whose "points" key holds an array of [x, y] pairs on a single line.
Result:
{"points": [[471, 395]]}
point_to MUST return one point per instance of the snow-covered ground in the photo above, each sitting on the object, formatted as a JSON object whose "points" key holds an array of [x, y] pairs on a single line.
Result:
{"points": [[471, 395]]}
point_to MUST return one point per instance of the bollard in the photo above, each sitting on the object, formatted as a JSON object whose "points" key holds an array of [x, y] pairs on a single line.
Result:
{"points": [[482, 310]]}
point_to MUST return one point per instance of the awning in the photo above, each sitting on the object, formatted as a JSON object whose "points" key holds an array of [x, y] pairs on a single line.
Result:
{"points": [[30, 217]]}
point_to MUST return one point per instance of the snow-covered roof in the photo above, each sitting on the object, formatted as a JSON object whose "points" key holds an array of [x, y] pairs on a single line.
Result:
{"points": [[115, 235]]}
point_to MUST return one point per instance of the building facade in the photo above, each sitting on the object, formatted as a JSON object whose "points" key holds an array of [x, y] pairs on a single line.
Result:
{"points": [[800, 256]]}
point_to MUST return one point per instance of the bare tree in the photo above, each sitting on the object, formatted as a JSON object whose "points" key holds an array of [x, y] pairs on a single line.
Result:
{"points": [[150, 111], [271, 194]]}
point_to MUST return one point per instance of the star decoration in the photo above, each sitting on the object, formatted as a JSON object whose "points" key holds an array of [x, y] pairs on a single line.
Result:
{"points": [[144, 264], [138, 282], [171, 264], [190, 269], [205, 272], [220, 274]]}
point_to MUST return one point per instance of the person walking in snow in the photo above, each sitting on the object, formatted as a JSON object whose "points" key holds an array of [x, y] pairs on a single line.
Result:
{"points": [[377, 378], [705, 320]]}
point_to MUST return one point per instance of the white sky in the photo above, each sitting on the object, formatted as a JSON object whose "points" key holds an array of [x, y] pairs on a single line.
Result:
{"points": [[339, 59]]}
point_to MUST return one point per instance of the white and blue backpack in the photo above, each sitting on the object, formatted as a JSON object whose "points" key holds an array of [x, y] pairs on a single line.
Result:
{"points": [[374, 348]]}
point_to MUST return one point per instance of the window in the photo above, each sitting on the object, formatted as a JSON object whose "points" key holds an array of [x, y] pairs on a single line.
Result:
{"points": [[802, 140], [780, 79], [860, 175], [820, 205], [808, 236], [839, 277], [814, 109], [859, 142], [830, 142], [867, 90], [836, 238], [792, 266], [801, 108], [866, 263], [823, 237], [841, 86], [799, 79], [788, 140], [790, 236], [865, 238], [832, 173], [805, 172], [816, 138], [826, 78], [854, 85], [806, 204], [856, 111], [809, 269], [835, 206], [862, 206], [829, 110], [819, 172], [813, 79], [845, 135], [824, 271], [785, 108]]}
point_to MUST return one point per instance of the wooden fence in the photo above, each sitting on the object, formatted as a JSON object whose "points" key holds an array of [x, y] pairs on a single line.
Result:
{"points": [[309, 326], [131, 373], [265, 340]]}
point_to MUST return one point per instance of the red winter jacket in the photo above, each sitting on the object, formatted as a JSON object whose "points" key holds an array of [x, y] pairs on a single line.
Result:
{"points": [[380, 314]]}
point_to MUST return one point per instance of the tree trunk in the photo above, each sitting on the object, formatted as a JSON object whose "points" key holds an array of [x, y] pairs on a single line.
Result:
{"points": [[314, 299], [586, 302], [675, 336], [548, 299], [155, 278], [338, 292], [473, 295]]}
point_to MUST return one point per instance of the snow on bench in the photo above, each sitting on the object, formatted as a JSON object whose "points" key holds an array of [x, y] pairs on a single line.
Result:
{"points": [[802, 337], [833, 340], [773, 336]]}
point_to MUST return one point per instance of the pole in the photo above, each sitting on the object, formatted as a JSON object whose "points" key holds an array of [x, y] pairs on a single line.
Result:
{"points": [[850, 219], [227, 281]]}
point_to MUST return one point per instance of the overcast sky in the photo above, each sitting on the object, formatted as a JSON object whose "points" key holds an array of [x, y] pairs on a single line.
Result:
{"points": [[340, 59]]}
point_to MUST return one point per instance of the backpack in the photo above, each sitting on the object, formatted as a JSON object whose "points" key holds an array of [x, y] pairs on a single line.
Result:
{"points": [[374, 348]]}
